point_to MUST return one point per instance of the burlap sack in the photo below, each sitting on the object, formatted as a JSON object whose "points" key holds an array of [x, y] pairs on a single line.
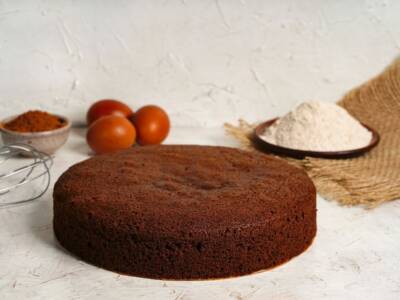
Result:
{"points": [[374, 177]]}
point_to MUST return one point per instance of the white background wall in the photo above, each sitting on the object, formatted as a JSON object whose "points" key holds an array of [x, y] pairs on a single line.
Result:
{"points": [[205, 61]]}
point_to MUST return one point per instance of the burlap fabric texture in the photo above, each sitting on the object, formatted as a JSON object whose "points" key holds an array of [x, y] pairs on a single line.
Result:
{"points": [[373, 178]]}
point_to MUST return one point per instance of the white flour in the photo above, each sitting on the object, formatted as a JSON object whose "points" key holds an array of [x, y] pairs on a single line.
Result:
{"points": [[318, 126]]}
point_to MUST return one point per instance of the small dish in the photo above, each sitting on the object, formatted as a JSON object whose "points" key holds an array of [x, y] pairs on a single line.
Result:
{"points": [[45, 141], [268, 147]]}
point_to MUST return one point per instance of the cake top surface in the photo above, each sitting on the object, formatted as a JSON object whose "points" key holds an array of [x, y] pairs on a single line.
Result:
{"points": [[183, 187]]}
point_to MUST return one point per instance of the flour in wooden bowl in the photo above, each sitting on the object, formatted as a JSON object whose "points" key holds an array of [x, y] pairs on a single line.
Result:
{"points": [[318, 126]]}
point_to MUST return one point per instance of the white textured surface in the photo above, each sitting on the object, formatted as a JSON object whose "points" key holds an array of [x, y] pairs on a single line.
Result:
{"points": [[205, 61], [354, 256]]}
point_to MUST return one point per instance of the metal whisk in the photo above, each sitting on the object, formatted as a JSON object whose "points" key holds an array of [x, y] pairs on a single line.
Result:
{"points": [[24, 174]]}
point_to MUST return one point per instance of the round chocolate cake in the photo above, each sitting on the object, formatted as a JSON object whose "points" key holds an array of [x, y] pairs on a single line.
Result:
{"points": [[185, 212]]}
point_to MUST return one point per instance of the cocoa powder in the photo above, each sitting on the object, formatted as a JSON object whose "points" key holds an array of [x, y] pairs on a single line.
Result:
{"points": [[35, 121]]}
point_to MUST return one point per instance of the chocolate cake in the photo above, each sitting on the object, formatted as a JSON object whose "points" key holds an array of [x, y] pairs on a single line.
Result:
{"points": [[185, 212]]}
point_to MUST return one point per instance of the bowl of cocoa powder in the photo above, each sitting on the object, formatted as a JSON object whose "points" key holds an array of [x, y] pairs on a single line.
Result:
{"points": [[42, 130]]}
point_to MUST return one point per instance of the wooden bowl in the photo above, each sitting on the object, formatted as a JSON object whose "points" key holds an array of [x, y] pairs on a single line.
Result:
{"points": [[45, 141], [279, 150]]}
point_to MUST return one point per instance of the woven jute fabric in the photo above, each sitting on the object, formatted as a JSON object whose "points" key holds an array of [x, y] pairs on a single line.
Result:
{"points": [[368, 180]]}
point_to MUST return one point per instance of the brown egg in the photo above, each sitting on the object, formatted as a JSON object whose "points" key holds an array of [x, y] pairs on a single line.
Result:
{"points": [[107, 107], [111, 133], [152, 125]]}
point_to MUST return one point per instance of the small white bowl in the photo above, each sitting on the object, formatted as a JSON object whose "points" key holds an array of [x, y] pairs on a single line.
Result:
{"points": [[45, 141]]}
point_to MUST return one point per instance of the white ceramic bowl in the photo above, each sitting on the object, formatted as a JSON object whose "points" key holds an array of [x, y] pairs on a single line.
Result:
{"points": [[45, 141]]}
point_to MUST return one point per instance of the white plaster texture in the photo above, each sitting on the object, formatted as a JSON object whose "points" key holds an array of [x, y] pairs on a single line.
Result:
{"points": [[206, 62]]}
